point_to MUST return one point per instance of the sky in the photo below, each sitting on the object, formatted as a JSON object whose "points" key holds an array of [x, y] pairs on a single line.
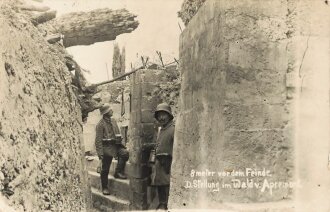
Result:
{"points": [[158, 31]]}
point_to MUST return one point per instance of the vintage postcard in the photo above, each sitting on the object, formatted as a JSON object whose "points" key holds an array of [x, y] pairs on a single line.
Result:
{"points": [[164, 105]]}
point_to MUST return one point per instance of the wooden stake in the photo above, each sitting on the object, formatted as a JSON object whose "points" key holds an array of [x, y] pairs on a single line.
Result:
{"points": [[160, 58]]}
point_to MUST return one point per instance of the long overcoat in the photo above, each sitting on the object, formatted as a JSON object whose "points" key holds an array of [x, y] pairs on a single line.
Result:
{"points": [[164, 147]]}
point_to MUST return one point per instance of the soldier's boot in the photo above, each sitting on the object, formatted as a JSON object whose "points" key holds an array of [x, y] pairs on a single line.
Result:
{"points": [[120, 176], [163, 196], [104, 182], [161, 206], [119, 173], [105, 191], [122, 159]]}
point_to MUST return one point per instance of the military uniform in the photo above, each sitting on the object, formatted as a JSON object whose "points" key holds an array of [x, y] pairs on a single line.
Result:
{"points": [[106, 130], [164, 148], [161, 169]]}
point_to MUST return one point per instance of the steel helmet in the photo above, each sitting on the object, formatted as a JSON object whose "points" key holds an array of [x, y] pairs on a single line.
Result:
{"points": [[105, 109], [164, 107]]}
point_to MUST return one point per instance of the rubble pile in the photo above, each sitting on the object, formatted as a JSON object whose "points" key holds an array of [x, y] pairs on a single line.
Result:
{"points": [[169, 92]]}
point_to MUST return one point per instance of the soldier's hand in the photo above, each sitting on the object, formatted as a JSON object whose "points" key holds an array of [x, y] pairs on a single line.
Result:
{"points": [[98, 169], [147, 146]]}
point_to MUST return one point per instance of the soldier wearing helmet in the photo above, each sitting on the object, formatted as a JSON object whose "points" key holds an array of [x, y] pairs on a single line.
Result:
{"points": [[161, 169], [108, 145]]}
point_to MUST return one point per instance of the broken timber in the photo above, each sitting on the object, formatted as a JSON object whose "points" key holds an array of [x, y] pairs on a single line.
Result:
{"points": [[43, 17], [85, 28], [129, 73], [118, 78]]}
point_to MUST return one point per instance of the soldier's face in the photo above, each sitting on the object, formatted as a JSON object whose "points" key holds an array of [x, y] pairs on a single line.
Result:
{"points": [[163, 118]]}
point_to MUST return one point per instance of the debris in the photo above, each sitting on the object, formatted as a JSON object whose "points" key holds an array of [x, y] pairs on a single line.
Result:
{"points": [[54, 38]]}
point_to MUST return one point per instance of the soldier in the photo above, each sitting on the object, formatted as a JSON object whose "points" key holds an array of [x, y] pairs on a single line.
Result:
{"points": [[108, 145], [161, 169]]}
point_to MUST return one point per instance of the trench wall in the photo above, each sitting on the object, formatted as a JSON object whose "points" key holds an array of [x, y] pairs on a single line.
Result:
{"points": [[236, 104], [41, 154]]}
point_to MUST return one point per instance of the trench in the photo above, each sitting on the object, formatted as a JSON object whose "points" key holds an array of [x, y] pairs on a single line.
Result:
{"points": [[239, 100], [45, 101]]}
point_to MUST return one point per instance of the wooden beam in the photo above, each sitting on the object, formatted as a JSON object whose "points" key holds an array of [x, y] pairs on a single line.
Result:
{"points": [[43, 17], [86, 28], [31, 7], [118, 78]]}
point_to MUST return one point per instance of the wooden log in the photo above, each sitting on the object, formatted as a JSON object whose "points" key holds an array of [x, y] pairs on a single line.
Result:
{"points": [[85, 28], [118, 78], [43, 17], [31, 7]]}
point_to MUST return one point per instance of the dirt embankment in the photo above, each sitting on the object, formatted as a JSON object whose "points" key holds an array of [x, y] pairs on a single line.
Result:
{"points": [[41, 154]]}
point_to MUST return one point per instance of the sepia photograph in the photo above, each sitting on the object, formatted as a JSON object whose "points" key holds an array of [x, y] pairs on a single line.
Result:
{"points": [[164, 105]]}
